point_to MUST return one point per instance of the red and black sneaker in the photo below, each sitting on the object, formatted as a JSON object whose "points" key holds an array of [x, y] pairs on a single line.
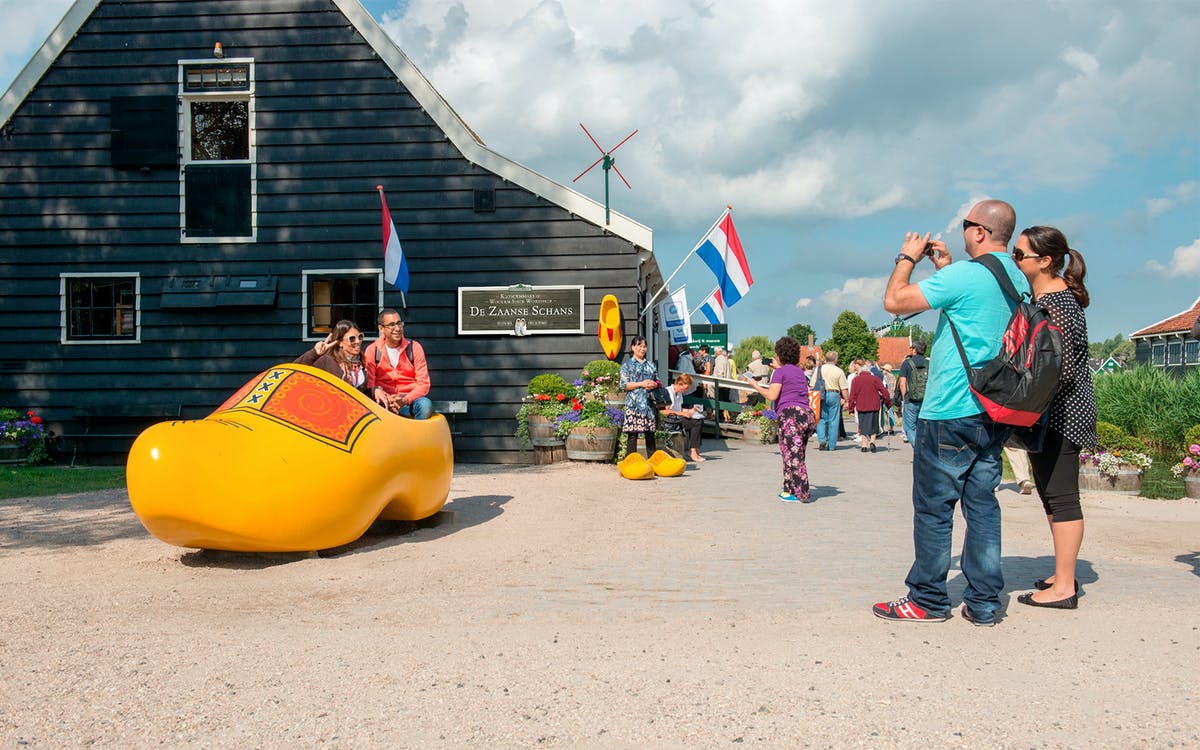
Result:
{"points": [[906, 610]]}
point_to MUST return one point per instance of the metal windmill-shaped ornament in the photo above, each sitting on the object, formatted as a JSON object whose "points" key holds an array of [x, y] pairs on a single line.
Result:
{"points": [[608, 163]]}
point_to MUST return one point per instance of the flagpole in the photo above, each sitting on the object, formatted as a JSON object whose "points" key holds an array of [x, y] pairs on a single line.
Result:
{"points": [[706, 299], [667, 284]]}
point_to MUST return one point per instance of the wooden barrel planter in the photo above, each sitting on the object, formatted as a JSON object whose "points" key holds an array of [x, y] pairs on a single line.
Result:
{"points": [[13, 453], [1191, 487], [592, 443], [615, 401], [752, 433], [541, 433], [1127, 481]]}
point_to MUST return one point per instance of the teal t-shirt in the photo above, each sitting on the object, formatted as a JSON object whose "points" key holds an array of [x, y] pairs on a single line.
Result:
{"points": [[969, 294]]}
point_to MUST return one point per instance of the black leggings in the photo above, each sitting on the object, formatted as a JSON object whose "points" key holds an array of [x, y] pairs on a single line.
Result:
{"points": [[1056, 474], [631, 442]]}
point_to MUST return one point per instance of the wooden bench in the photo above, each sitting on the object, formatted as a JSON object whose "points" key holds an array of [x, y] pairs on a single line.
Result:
{"points": [[133, 417], [449, 409]]}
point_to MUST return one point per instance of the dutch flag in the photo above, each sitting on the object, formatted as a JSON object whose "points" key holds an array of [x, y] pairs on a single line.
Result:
{"points": [[395, 267], [711, 308], [721, 251]]}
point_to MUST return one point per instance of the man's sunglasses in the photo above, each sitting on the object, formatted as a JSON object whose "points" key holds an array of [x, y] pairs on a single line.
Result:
{"points": [[967, 224]]}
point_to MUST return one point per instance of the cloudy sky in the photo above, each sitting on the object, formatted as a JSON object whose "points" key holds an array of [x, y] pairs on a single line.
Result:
{"points": [[833, 126]]}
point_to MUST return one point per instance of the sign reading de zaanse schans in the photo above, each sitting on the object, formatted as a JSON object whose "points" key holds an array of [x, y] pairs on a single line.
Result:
{"points": [[519, 310]]}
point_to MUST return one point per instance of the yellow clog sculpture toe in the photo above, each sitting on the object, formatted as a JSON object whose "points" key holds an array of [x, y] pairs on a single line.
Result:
{"points": [[296, 460], [633, 466], [665, 465]]}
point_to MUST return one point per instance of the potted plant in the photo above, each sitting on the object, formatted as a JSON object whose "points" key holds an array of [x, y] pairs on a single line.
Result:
{"points": [[1118, 463], [601, 380], [548, 398], [1189, 467], [590, 430], [22, 438], [758, 425]]}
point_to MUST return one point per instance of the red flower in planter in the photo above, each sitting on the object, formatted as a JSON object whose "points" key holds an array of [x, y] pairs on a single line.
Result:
{"points": [[561, 397]]}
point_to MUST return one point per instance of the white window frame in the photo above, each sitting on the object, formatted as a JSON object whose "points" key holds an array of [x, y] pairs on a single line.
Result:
{"points": [[64, 329], [185, 145], [1158, 351], [1191, 352], [1175, 352], [378, 272]]}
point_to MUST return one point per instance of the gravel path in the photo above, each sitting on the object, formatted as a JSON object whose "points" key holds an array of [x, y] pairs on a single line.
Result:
{"points": [[562, 606]]}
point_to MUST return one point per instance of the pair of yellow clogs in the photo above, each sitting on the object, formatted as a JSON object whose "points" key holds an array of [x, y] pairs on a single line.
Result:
{"points": [[633, 466], [296, 460]]}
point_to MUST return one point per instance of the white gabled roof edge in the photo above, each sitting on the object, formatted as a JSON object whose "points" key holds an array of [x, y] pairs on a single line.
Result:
{"points": [[1140, 335], [471, 147], [416, 83], [45, 57]]}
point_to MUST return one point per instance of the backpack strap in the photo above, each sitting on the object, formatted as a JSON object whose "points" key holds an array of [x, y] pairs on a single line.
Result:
{"points": [[1006, 286], [407, 352]]}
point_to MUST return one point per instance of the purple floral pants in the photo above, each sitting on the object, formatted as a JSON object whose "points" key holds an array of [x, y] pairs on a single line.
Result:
{"points": [[796, 426]]}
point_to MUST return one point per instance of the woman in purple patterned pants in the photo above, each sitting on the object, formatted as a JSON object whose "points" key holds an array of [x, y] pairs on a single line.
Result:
{"points": [[789, 391]]}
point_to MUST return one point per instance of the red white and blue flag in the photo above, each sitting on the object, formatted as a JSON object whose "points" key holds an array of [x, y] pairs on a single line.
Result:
{"points": [[712, 309], [721, 251], [395, 267]]}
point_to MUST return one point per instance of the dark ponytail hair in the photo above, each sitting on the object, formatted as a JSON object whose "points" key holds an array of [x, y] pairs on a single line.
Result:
{"points": [[1050, 243]]}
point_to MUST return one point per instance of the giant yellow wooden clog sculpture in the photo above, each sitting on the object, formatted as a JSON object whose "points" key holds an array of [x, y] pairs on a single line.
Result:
{"points": [[296, 460]]}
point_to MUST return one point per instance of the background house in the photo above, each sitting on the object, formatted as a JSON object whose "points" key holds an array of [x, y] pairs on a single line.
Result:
{"points": [[1169, 343], [176, 217]]}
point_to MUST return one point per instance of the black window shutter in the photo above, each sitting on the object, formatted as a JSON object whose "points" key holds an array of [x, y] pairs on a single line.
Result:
{"points": [[218, 200], [144, 132]]}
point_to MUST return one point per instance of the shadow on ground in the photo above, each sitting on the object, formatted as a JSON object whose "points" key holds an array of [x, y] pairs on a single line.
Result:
{"points": [[458, 514], [53, 521]]}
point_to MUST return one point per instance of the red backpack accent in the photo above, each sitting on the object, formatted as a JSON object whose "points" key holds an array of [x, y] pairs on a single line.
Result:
{"points": [[1018, 384]]}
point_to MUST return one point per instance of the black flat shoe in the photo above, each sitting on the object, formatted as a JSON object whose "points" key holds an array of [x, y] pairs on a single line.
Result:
{"points": [[1071, 602], [1041, 585]]}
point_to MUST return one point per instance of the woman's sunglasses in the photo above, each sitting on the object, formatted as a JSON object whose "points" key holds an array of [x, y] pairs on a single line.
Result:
{"points": [[1018, 255], [352, 339]]}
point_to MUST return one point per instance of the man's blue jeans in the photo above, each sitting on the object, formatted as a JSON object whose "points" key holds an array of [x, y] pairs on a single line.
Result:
{"points": [[827, 428], [908, 418], [420, 408], [957, 459]]}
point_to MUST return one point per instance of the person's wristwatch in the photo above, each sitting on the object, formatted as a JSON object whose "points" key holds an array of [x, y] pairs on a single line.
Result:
{"points": [[902, 256]]}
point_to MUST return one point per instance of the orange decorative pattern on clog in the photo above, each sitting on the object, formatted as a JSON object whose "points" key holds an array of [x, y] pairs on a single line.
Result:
{"points": [[300, 401]]}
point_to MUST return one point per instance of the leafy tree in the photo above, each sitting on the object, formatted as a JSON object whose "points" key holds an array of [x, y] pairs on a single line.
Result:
{"points": [[741, 352], [917, 333], [801, 332], [851, 339], [1118, 345]]}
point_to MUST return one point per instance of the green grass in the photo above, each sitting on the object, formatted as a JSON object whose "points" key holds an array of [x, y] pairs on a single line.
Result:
{"points": [[1158, 482], [32, 481]]}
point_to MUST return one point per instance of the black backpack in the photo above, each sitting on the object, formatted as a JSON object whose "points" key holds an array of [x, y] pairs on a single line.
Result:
{"points": [[1017, 386], [915, 382]]}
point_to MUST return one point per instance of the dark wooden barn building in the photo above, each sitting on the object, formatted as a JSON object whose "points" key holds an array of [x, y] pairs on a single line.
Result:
{"points": [[176, 217]]}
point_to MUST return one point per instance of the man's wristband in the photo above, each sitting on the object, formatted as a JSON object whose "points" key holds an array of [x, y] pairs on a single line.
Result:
{"points": [[902, 256]]}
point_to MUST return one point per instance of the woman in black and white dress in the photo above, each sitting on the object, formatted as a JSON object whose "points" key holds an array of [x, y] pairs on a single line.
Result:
{"points": [[1055, 272]]}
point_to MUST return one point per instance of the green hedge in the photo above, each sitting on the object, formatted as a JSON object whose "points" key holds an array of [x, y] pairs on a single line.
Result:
{"points": [[1149, 403]]}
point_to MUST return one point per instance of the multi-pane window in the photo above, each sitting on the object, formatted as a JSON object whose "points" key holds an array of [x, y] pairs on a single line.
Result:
{"points": [[218, 153], [1158, 354], [1175, 353], [331, 296], [1191, 352], [99, 308]]}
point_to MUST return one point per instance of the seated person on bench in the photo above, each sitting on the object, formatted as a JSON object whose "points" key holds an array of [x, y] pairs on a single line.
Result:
{"points": [[690, 420]]}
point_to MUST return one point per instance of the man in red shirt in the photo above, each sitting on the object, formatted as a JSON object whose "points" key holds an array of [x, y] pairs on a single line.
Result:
{"points": [[396, 370]]}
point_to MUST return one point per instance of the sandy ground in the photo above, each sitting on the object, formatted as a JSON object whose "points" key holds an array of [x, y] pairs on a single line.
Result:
{"points": [[562, 606]]}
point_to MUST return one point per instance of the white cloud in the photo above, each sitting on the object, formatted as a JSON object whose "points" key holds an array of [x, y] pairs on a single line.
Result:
{"points": [[863, 295], [1081, 61], [1185, 262], [803, 302], [1177, 195]]}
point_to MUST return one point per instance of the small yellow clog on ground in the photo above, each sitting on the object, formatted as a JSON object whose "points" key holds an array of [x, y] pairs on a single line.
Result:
{"points": [[664, 465], [633, 466]]}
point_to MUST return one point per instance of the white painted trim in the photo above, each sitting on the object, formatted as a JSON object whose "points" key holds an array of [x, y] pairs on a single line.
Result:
{"points": [[184, 130], [332, 272], [62, 306], [41, 61], [469, 144], [1164, 320]]}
